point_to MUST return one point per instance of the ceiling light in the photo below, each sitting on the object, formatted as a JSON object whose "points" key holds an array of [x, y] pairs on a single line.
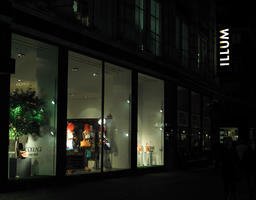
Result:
{"points": [[94, 74], [20, 55], [104, 121], [75, 69]]}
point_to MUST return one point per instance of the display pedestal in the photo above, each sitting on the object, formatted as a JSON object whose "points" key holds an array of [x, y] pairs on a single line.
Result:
{"points": [[20, 167]]}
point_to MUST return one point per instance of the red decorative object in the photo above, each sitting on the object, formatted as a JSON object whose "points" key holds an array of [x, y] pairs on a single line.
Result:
{"points": [[71, 126], [87, 127]]}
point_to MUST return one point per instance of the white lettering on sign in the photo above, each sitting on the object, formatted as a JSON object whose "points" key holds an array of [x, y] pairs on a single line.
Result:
{"points": [[224, 47]]}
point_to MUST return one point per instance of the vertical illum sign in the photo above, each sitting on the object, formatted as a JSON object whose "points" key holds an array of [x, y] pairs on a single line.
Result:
{"points": [[224, 47]]}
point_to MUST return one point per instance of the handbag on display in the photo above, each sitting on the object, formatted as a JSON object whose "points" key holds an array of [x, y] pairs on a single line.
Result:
{"points": [[85, 143], [88, 154], [82, 143]]}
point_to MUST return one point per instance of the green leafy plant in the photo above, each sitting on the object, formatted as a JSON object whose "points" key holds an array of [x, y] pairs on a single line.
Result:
{"points": [[27, 113]]}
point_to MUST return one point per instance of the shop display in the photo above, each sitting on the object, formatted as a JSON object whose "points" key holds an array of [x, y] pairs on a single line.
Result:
{"points": [[27, 115], [84, 145], [145, 155]]}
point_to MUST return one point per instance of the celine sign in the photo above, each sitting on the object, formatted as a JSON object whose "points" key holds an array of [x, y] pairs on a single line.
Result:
{"points": [[224, 47]]}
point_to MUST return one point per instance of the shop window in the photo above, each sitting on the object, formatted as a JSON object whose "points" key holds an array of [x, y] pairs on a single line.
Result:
{"points": [[150, 147], [196, 133], [228, 133], [182, 121], [33, 117], [117, 104], [206, 123], [88, 135], [83, 146]]}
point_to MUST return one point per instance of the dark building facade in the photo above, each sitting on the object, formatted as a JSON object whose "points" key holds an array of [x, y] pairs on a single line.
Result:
{"points": [[92, 87], [236, 79]]}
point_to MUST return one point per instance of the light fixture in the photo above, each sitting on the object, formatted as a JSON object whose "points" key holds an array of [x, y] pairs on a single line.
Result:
{"points": [[52, 133], [161, 110], [53, 102], [94, 74], [104, 121], [128, 101], [20, 55], [126, 134], [75, 69]]}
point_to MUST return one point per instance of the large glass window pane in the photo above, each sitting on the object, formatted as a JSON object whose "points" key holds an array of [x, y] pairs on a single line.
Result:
{"points": [[117, 135], [206, 123], [182, 122], [196, 136], [150, 121], [83, 114], [33, 97]]}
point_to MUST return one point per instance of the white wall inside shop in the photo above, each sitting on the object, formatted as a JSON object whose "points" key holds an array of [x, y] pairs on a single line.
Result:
{"points": [[150, 119]]}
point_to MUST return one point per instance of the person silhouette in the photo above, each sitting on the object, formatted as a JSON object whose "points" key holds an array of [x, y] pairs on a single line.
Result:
{"points": [[229, 162], [249, 165]]}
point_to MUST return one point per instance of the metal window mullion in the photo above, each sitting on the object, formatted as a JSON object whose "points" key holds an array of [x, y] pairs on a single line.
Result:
{"points": [[102, 112]]}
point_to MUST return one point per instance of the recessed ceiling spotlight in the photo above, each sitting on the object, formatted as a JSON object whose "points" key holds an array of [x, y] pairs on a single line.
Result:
{"points": [[94, 74], [75, 69], [20, 55]]}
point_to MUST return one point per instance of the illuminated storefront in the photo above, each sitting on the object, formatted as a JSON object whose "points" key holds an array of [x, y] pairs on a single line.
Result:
{"points": [[80, 105], [98, 114]]}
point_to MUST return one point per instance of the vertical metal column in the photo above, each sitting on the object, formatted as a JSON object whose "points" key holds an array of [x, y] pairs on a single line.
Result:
{"points": [[62, 112], [170, 125], [189, 121], [102, 112], [202, 136], [5, 69]]}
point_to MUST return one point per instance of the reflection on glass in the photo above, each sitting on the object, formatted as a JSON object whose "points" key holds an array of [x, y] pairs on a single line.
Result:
{"points": [[196, 135], [206, 123], [83, 114], [150, 121], [182, 122], [32, 133], [117, 136]]}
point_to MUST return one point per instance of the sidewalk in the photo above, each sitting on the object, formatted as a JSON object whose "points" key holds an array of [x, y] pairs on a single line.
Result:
{"points": [[199, 183]]}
